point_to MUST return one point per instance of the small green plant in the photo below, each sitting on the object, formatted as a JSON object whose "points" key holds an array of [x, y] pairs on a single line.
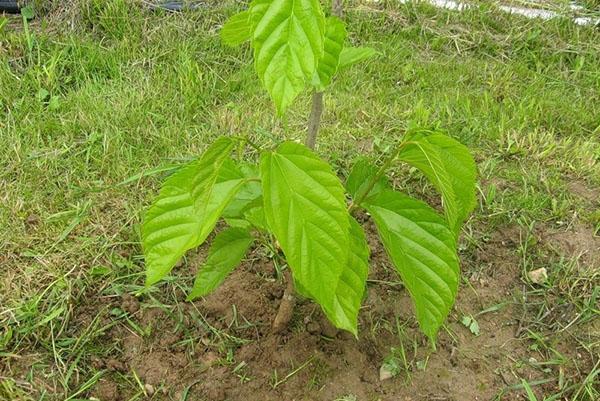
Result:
{"points": [[295, 197]]}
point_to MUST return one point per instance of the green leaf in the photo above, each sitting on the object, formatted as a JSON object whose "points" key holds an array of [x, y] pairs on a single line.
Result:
{"points": [[237, 29], [423, 249], [288, 44], [462, 169], [256, 217], [470, 323], [186, 210], [305, 209], [27, 12], [362, 173], [351, 286], [450, 167], [249, 194], [43, 95], [238, 223], [335, 36], [353, 55], [426, 157], [3, 22], [226, 252]]}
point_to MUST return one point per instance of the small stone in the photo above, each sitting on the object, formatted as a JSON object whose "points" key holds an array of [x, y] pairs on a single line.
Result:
{"points": [[149, 388], [538, 276], [385, 372]]}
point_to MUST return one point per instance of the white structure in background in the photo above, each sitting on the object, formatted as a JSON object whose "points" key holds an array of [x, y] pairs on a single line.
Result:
{"points": [[524, 11]]}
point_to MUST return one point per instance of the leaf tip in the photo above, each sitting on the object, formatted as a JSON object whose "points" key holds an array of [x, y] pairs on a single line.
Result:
{"points": [[354, 332]]}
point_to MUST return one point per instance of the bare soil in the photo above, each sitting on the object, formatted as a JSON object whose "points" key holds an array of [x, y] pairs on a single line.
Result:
{"points": [[577, 242], [222, 347]]}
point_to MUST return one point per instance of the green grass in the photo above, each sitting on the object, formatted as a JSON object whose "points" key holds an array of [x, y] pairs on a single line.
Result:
{"points": [[96, 104]]}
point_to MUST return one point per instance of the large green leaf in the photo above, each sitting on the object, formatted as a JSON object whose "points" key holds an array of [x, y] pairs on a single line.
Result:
{"points": [[186, 210], [351, 286], [335, 36], [237, 29], [288, 44], [353, 55], [423, 249], [450, 167], [226, 252], [305, 209]]}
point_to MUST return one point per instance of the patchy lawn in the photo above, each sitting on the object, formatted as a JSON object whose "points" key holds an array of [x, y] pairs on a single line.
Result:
{"points": [[99, 102]]}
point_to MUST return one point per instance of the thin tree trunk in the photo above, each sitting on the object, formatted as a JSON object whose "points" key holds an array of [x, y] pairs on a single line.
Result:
{"points": [[316, 110], [337, 8], [314, 121], [286, 307]]}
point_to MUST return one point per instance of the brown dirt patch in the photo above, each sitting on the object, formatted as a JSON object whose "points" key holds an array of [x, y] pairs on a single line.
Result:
{"points": [[329, 369], [221, 347], [106, 390], [578, 242], [584, 190]]}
